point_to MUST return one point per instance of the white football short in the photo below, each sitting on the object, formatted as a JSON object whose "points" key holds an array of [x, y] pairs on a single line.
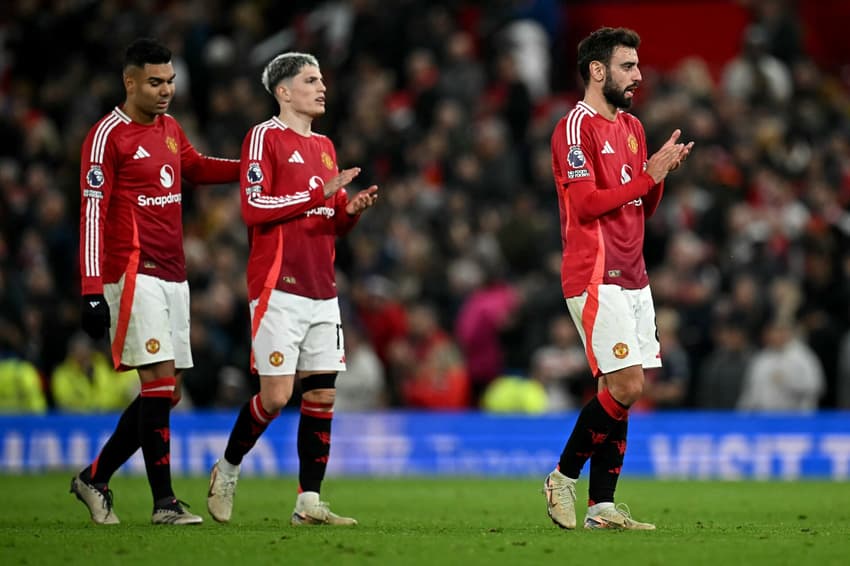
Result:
{"points": [[149, 321], [617, 327], [291, 332]]}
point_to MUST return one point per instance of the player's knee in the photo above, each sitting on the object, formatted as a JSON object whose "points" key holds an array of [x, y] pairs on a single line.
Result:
{"points": [[627, 388], [274, 401], [628, 392], [634, 392], [323, 396], [319, 388]]}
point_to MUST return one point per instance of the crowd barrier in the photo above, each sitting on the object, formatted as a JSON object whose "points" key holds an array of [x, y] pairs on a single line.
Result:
{"points": [[685, 445]]}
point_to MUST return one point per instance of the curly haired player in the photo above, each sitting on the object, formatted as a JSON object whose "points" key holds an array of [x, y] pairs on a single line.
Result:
{"points": [[606, 189]]}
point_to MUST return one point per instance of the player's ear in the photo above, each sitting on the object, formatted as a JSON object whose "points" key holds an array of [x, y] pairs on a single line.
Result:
{"points": [[129, 83], [284, 93], [597, 70]]}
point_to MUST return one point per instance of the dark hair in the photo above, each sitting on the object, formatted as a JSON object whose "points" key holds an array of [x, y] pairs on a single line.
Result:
{"points": [[146, 51], [285, 66], [600, 45]]}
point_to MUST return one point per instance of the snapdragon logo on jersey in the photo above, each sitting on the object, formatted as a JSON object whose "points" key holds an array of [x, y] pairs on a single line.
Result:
{"points": [[575, 157], [626, 177], [315, 182], [162, 200], [166, 176], [166, 179], [325, 211]]}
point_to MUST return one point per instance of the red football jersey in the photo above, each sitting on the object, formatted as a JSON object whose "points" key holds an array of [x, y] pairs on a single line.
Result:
{"points": [[131, 212], [292, 228], [599, 168]]}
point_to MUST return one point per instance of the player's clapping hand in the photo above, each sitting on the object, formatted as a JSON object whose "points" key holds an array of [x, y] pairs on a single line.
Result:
{"points": [[668, 158], [362, 200], [345, 176], [684, 149]]}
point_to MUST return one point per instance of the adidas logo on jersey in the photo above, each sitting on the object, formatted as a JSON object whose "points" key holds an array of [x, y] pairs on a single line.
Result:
{"points": [[296, 157], [607, 148], [141, 153]]}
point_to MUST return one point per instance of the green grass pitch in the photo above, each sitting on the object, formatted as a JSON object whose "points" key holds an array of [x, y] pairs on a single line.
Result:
{"points": [[432, 521]]}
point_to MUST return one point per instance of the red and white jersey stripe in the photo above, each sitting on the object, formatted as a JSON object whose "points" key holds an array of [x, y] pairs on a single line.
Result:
{"points": [[292, 227], [130, 188], [589, 148]]}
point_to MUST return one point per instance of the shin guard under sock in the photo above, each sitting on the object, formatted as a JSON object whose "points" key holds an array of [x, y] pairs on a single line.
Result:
{"points": [[314, 444], [606, 463], [121, 445], [592, 428], [155, 434]]}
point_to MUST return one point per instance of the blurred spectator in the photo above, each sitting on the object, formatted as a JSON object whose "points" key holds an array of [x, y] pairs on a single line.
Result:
{"points": [[529, 51], [428, 364], [508, 97], [85, 382], [499, 173], [755, 75], [514, 394], [21, 389], [487, 312], [667, 387], [822, 309], [560, 366], [462, 78], [842, 397], [782, 28], [383, 318], [421, 94], [748, 304], [362, 386], [688, 282], [785, 375], [721, 377], [234, 388], [11, 327], [202, 382]]}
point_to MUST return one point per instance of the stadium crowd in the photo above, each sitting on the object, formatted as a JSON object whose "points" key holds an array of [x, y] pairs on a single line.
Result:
{"points": [[450, 286]]}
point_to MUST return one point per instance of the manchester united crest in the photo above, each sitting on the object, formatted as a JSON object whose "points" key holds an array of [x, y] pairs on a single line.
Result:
{"points": [[620, 350], [633, 145], [276, 358], [327, 160], [172, 144], [152, 346]]}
